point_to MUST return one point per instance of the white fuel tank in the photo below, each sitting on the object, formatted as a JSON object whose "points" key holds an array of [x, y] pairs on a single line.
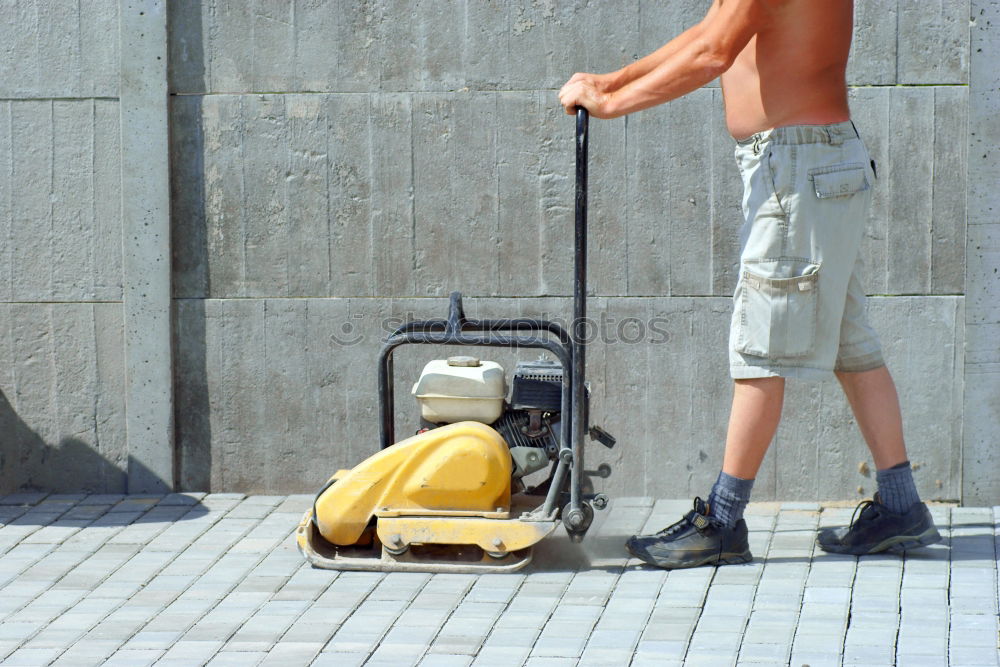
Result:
{"points": [[461, 389]]}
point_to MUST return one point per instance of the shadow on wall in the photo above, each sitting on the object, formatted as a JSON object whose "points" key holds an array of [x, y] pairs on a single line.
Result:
{"points": [[28, 463], [189, 246]]}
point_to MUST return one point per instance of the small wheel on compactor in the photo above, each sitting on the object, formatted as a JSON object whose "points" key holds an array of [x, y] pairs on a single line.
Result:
{"points": [[500, 552], [396, 546], [577, 522]]}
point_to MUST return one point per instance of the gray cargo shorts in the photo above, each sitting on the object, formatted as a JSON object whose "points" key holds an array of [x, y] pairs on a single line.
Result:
{"points": [[799, 308]]}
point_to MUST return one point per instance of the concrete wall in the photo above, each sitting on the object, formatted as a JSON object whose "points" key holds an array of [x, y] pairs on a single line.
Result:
{"points": [[336, 168], [980, 457], [62, 400]]}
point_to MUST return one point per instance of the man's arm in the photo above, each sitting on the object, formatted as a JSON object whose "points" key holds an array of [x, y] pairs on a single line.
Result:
{"points": [[705, 52], [644, 66], [612, 81]]}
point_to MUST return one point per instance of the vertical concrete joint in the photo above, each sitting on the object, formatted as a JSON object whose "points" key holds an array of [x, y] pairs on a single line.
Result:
{"points": [[146, 245]]}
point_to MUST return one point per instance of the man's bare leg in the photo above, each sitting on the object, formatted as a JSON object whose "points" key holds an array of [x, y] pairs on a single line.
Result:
{"points": [[872, 396], [753, 422], [722, 538], [908, 523]]}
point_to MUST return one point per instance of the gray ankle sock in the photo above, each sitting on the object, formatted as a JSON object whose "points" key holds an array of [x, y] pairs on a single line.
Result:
{"points": [[896, 487], [729, 497]]}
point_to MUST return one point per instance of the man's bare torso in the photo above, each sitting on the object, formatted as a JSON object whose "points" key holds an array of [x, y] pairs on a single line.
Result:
{"points": [[792, 72]]}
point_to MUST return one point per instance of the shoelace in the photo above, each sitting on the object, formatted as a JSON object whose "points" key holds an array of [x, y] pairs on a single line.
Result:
{"points": [[674, 527], [685, 521], [859, 511]]}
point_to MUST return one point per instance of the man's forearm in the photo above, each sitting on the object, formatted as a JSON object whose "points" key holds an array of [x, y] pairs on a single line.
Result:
{"points": [[647, 64], [682, 65], [684, 70]]}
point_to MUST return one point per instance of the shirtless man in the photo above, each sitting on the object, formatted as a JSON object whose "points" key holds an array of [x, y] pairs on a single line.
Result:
{"points": [[799, 309]]}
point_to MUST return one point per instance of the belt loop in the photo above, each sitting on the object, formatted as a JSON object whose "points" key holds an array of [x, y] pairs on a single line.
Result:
{"points": [[833, 134]]}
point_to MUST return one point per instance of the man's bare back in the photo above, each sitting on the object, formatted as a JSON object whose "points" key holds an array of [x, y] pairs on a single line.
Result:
{"points": [[792, 72], [781, 62]]}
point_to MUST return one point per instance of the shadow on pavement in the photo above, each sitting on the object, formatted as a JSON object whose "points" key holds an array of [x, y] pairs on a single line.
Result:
{"points": [[97, 510]]}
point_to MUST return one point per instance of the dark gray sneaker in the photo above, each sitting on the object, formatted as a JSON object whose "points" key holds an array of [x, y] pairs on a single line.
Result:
{"points": [[875, 529], [697, 539]]}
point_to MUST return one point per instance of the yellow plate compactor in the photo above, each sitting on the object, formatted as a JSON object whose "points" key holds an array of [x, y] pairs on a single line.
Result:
{"points": [[454, 498]]}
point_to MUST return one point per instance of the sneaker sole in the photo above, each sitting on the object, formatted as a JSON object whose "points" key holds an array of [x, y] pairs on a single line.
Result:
{"points": [[717, 559], [897, 544]]}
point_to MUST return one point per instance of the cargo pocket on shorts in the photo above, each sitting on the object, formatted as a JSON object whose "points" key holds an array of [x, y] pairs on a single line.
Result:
{"points": [[839, 180], [778, 303]]}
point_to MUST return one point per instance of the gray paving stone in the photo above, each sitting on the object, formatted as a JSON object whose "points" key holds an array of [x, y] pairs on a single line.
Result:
{"points": [[186, 499], [859, 635], [411, 636], [873, 620], [441, 660], [457, 643], [31, 656], [424, 617], [17, 631], [959, 655], [399, 586], [881, 654], [500, 656], [770, 632], [286, 654], [628, 617], [916, 660], [669, 632], [191, 652], [710, 657], [526, 618], [775, 602], [88, 652], [927, 645], [818, 641], [390, 656], [22, 498], [550, 662], [721, 623], [776, 653], [714, 642], [562, 646], [238, 577], [133, 658], [236, 658], [646, 661], [340, 659], [815, 659], [605, 657], [514, 638], [800, 507], [50, 638]]}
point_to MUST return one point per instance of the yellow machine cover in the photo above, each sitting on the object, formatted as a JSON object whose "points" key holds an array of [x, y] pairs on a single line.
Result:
{"points": [[460, 469]]}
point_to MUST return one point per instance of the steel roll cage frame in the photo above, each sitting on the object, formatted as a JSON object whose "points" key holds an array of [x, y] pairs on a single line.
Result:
{"points": [[568, 348]]}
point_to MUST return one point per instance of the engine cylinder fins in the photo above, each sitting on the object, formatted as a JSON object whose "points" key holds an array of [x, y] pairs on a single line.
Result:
{"points": [[517, 429], [538, 385]]}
